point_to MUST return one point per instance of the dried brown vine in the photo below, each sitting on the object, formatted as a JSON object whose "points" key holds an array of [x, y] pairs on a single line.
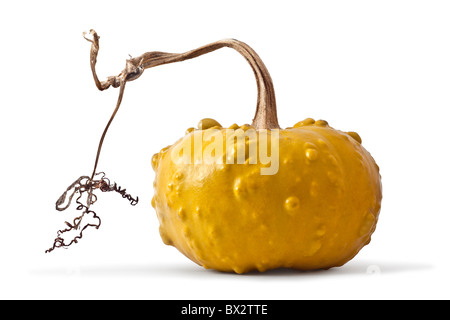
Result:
{"points": [[85, 185]]}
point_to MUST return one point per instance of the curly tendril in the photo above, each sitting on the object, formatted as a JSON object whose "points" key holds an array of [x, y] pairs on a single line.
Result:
{"points": [[85, 185]]}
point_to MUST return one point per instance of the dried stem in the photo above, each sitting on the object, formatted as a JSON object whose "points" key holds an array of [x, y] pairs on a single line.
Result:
{"points": [[119, 101], [266, 113]]}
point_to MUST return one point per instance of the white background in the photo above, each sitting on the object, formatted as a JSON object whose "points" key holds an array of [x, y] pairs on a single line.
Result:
{"points": [[381, 68]]}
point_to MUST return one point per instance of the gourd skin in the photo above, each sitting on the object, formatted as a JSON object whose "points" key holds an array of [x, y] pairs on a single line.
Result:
{"points": [[316, 212]]}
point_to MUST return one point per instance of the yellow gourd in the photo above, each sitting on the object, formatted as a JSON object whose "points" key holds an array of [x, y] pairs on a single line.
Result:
{"points": [[317, 211], [252, 197]]}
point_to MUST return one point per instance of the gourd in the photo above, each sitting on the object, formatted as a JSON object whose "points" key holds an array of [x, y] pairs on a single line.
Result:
{"points": [[227, 205]]}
